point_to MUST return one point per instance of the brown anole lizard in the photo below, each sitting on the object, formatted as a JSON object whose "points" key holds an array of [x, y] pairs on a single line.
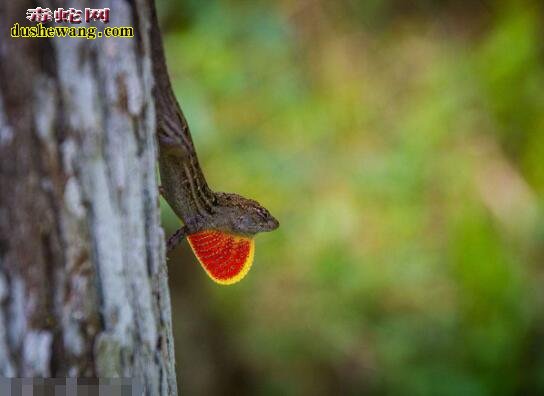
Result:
{"points": [[219, 226]]}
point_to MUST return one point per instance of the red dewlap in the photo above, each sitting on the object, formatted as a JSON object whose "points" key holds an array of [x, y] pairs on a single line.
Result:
{"points": [[225, 257]]}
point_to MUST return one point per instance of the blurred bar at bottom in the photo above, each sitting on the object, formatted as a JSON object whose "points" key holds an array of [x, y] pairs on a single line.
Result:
{"points": [[71, 387]]}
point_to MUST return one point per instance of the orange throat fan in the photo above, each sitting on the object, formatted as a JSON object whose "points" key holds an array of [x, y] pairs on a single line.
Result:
{"points": [[225, 257]]}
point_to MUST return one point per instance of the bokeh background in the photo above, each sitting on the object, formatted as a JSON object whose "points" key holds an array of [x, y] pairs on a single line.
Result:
{"points": [[401, 146]]}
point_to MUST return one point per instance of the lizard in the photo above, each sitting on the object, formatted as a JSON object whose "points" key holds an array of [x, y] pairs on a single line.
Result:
{"points": [[220, 227]]}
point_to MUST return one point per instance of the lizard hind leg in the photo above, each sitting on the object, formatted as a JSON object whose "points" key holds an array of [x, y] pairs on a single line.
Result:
{"points": [[225, 257]]}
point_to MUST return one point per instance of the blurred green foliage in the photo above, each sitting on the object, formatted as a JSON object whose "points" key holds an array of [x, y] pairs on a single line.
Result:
{"points": [[401, 148]]}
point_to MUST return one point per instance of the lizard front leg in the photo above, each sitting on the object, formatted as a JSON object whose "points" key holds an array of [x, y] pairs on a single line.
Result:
{"points": [[176, 238]]}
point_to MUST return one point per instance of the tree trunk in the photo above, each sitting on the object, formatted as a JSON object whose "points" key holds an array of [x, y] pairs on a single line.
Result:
{"points": [[83, 283]]}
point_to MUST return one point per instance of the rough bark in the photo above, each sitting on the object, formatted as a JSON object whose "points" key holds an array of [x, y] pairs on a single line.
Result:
{"points": [[83, 283]]}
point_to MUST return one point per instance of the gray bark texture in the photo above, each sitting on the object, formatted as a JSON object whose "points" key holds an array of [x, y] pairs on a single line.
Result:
{"points": [[83, 282]]}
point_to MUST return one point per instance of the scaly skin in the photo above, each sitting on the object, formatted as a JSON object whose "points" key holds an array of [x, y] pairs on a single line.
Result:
{"points": [[183, 183]]}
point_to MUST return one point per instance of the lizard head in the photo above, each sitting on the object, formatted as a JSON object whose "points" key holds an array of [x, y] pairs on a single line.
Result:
{"points": [[244, 216]]}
